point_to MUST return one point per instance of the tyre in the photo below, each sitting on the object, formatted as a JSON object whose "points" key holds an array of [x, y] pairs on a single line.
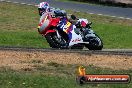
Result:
{"points": [[77, 46], [55, 42], [95, 43]]}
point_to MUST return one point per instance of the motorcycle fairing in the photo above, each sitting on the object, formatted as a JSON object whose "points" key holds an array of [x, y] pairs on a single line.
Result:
{"points": [[74, 38], [43, 23], [66, 26], [46, 22], [69, 29]]}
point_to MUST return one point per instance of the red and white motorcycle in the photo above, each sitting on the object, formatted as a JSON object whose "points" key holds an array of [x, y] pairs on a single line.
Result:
{"points": [[60, 33]]}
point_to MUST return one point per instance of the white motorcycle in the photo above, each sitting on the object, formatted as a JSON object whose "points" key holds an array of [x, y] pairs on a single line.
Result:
{"points": [[60, 33]]}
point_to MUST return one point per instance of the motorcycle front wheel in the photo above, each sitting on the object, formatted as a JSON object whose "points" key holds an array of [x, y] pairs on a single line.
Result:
{"points": [[55, 42], [95, 43]]}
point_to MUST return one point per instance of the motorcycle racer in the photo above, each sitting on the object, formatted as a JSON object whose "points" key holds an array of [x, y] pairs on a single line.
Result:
{"points": [[44, 7]]}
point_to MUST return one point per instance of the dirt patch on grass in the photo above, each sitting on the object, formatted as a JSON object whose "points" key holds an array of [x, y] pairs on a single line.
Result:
{"points": [[22, 60]]}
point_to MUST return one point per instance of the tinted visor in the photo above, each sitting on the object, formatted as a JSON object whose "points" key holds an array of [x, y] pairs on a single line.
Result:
{"points": [[41, 11]]}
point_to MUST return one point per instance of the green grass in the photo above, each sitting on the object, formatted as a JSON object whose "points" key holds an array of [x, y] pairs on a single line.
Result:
{"points": [[22, 39], [18, 27], [61, 77]]}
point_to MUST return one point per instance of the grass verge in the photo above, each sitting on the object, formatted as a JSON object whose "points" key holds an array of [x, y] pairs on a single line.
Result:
{"points": [[60, 76], [18, 27], [22, 39]]}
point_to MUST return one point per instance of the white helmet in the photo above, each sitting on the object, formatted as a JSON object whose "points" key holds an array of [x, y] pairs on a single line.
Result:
{"points": [[43, 7]]}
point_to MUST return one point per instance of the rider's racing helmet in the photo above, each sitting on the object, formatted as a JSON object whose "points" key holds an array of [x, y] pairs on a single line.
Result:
{"points": [[43, 7]]}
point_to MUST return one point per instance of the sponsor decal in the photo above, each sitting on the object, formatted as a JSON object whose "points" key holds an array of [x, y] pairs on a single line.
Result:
{"points": [[65, 27], [83, 78], [76, 40]]}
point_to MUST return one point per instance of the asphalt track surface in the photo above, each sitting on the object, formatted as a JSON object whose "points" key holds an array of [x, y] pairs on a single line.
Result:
{"points": [[127, 52], [92, 9]]}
